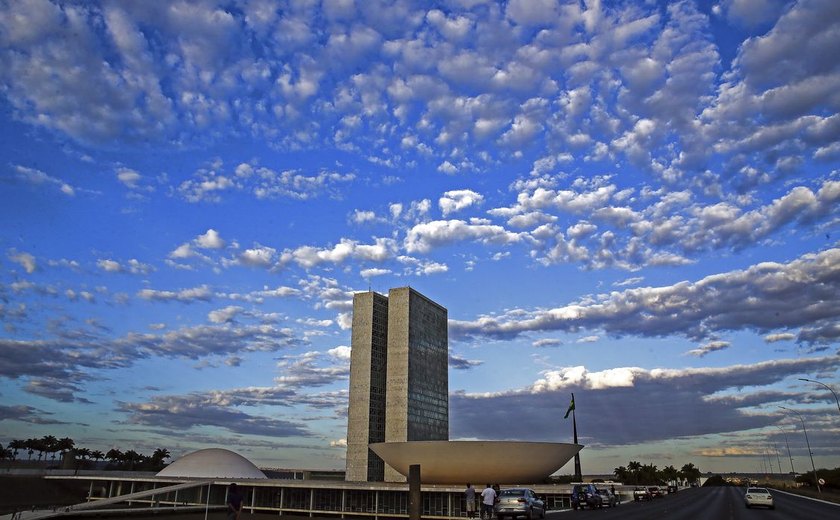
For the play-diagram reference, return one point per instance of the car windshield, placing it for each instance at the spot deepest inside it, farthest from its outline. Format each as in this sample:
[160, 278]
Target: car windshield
[512, 493]
[755, 491]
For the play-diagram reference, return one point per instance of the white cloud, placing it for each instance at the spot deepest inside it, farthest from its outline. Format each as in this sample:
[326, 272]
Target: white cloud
[370, 273]
[37, 177]
[258, 256]
[456, 200]
[447, 168]
[361, 217]
[708, 348]
[341, 352]
[754, 296]
[110, 266]
[26, 260]
[210, 240]
[781, 336]
[201, 293]
[225, 315]
[424, 237]
[128, 177]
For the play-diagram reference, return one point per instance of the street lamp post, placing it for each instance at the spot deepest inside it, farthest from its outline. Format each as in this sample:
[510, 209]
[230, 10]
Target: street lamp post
[825, 385]
[788, 448]
[807, 443]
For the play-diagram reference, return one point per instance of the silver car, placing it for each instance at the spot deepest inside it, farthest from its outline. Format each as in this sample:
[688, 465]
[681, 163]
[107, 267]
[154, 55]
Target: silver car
[515, 502]
[757, 496]
[608, 498]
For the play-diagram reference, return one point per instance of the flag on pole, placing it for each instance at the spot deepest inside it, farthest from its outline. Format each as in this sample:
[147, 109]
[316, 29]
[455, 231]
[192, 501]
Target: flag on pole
[571, 407]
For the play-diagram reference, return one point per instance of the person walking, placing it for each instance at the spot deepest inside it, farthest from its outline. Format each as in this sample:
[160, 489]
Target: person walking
[488, 499]
[469, 496]
[234, 502]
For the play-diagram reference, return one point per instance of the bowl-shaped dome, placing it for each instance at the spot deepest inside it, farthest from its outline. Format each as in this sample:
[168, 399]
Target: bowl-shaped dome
[478, 462]
[212, 463]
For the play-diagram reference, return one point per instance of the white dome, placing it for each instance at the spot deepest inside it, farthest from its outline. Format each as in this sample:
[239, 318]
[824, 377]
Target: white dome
[212, 463]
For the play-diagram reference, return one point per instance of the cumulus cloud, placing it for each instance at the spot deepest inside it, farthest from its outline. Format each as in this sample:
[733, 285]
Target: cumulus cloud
[200, 293]
[27, 414]
[218, 410]
[210, 240]
[304, 370]
[60, 368]
[456, 200]
[708, 348]
[461, 363]
[765, 297]
[24, 259]
[38, 177]
[309, 256]
[424, 237]
[688, 410]
[211, 183]
[132, 266]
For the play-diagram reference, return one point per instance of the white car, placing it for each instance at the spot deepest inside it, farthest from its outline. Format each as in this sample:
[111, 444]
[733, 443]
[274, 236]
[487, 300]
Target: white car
[757, 496]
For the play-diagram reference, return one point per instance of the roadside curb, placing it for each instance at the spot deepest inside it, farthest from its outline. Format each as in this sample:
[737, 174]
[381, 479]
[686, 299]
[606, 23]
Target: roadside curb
[807, 497]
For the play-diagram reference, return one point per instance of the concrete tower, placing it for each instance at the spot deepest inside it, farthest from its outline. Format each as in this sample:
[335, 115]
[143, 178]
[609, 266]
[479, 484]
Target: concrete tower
[399, 384]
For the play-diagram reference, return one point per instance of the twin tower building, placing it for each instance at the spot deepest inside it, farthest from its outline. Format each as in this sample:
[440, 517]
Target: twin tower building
[399, 381]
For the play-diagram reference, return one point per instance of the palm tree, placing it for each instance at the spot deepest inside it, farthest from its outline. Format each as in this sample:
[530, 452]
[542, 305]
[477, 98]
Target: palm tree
[64, 445]
[30, 445]
[669, 474]
[690, 473]
[50, 445]
[97, 455]
[6, 453]
[83, 453]
[158, 457]
[621, 473]
[635, 467]
[131, 457]
[115, 456]
[16, 445]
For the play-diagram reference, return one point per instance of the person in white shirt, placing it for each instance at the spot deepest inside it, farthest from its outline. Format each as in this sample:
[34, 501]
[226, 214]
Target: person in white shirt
[488, 498]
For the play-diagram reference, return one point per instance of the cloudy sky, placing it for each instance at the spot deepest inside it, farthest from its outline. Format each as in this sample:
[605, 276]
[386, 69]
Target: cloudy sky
[638, 202]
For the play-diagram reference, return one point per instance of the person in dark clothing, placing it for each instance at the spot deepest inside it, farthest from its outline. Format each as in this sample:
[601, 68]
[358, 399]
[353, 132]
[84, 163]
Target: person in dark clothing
[469, 497]
[234, 502]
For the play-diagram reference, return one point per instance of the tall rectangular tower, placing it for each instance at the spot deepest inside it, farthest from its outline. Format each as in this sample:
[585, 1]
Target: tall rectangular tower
[399, 384]
[366, 412]
[417, 398]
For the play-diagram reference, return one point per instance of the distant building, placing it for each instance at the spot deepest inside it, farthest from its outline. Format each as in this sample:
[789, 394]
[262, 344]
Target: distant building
[399, 384]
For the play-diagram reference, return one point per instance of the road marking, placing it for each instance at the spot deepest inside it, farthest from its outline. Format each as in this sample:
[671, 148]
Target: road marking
[807, 498]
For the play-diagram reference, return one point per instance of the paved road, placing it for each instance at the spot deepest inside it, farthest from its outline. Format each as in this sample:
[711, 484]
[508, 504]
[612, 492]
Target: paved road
[714, 503]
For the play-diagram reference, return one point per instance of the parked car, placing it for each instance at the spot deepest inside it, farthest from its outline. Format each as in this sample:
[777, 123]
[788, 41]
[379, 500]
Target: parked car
[515, 502]
[585, 495]
[655, 492]
[641, 493]
[608, 498]
[672, 488]
[756, 496]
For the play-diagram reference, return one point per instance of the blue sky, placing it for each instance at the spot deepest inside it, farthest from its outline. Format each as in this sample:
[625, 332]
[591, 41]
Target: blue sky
[633, 201]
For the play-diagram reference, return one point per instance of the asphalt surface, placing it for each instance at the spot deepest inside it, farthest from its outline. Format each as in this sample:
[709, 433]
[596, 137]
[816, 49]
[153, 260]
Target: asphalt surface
[713, 503]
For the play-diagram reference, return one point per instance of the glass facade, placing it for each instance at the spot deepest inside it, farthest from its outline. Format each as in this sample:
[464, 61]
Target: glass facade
[428, 376]
[378, 383]
[321, 500]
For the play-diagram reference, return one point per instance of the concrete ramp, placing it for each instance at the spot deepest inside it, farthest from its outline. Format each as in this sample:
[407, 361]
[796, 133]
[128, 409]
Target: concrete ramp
[101, 506]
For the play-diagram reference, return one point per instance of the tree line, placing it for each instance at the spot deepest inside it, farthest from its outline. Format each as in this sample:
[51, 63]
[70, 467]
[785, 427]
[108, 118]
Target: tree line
[637, 473]
[48, 447]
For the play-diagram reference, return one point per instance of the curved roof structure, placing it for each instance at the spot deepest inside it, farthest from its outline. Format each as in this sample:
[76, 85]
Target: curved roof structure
[212, 463]
[479, 462]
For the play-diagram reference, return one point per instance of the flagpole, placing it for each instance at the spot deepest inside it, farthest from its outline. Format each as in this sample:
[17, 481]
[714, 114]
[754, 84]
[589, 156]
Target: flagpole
[578, 472]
